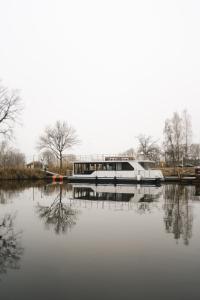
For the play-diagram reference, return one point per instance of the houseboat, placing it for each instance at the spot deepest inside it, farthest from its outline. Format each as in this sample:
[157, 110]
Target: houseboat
[116, 170]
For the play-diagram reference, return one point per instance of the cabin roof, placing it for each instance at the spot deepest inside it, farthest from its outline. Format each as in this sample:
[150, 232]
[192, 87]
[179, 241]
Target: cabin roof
[111, 161]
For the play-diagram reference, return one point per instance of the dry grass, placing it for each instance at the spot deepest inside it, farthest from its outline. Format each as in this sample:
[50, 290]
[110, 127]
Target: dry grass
[20, 174]
[36, 174]
[177, 171]
[65, 171]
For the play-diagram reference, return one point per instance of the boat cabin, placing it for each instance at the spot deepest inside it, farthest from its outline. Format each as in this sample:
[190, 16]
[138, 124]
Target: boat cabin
[88, 168]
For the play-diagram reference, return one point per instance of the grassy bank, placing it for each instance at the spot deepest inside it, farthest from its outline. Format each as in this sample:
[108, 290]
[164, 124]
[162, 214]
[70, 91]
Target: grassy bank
[21, 174]
[37, 174]
[65, 171]
[177, 171]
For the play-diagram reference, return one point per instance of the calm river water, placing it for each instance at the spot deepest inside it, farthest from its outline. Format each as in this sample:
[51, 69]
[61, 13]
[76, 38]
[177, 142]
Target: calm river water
[99, 242]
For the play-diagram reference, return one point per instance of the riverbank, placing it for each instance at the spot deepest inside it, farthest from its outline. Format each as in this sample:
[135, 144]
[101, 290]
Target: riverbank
[21, 174]
[37, 174]
[170, 171]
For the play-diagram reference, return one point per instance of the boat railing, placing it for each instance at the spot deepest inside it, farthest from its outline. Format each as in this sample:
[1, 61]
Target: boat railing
[102, 157]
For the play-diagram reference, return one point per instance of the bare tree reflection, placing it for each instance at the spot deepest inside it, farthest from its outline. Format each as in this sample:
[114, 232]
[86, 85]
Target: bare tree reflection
[59, 215]
[10, 245]
[147, 203]
[178, 213]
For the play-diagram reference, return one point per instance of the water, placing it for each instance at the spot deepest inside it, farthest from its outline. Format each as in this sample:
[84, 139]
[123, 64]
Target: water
[99, 242]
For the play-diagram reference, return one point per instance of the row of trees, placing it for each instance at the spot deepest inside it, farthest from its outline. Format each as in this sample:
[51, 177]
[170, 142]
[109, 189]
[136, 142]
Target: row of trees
[52, 143]
[10, 157]
[176, 148]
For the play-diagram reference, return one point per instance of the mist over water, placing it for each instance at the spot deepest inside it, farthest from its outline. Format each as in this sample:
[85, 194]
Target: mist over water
[99, 242]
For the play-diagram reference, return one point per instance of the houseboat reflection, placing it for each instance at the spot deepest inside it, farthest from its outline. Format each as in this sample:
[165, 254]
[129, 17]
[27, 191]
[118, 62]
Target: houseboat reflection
[120, 193]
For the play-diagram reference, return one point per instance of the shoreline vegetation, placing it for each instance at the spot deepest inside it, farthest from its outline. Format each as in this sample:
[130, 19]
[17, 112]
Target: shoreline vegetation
[177, 171]
[21, 174]
[175, 149]
[38, 174]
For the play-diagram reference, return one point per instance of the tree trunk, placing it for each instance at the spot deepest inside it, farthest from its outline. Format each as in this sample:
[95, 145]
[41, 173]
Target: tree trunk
[61, 163]
[174, 162]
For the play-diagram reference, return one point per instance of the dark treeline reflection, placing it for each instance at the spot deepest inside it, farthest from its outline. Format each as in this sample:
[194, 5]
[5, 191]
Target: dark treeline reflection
[178, 211]
[11, 189]
[10, 244]
[59, 215]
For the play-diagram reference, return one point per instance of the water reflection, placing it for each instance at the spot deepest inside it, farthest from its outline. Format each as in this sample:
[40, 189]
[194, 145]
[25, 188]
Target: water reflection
[141, 198]
[178, 214]
[59, 215]
[10, 244]
[52, 188]
[178, 217]
[174, 200]
[197, 190]
[10, 190]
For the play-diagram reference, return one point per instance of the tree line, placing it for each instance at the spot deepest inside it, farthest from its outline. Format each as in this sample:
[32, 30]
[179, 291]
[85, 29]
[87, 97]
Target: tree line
[175, 148]
[52, 144]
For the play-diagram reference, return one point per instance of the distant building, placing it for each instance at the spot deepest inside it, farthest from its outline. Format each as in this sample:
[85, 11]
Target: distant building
[34, 165]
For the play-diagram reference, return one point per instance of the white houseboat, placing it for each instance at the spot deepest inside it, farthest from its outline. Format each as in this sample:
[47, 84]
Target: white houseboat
[116, 170]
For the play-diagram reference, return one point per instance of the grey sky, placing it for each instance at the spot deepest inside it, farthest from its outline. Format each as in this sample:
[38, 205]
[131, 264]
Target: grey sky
[112, 69]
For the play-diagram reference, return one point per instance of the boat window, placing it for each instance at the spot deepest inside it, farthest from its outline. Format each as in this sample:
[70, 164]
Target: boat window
[99, 167]
[89, 168]
[119, 166]
[124, 166]
[111, 166]
[107, 166]
[84, 168]
[147, 165]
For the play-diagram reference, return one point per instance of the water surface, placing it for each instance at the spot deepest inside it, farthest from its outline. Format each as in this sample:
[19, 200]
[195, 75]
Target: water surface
[99, 242]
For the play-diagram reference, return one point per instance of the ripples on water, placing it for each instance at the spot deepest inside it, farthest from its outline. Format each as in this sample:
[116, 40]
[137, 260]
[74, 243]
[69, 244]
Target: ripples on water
[99, 242]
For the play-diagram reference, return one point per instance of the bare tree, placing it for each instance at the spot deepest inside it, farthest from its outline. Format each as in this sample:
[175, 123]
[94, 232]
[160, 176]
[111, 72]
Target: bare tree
[58, 139]
[129, 152]
[10, 157]
[195, 152]
[148, 148]
[187, 133]
[178, 135]
[173, 138]
[48, 158]
[10, 108]
[169, 143]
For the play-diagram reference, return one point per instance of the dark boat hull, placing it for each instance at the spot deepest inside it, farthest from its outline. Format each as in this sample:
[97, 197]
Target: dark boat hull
[114, 180]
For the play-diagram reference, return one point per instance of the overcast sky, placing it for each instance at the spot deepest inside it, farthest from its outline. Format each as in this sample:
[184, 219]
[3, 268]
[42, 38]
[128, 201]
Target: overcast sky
[112, 69]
